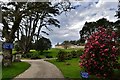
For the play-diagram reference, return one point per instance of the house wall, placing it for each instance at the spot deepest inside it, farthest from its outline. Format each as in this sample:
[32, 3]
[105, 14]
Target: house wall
[60, 47]
[71, 46]
[75, 46]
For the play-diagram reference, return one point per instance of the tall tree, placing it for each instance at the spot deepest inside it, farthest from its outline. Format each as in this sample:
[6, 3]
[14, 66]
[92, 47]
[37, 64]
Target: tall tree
[11, 18]
[14, 13]
[42, 44]
[43, 18]
[90, 27]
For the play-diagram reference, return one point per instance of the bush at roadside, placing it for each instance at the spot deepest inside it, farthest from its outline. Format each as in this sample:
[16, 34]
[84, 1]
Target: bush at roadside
[61, 56]
[34, 55]
[100, 54]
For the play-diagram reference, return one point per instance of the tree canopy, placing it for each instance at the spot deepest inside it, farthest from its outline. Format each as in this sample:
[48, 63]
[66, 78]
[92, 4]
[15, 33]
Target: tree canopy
[91, 27]
[42, 44]
[24, 20]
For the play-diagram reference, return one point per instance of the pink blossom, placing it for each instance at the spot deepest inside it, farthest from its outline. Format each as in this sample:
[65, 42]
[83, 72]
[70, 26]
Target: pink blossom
[93, 55]
[97, 42]
[89, 72]
[95, 62]
[98, 75]
[86, 65]
[101, 68]
[114, 49]
[100, 53]
[103, 54]
[91, 46]
[106, 50]
[81, 57]
[113, 34]
[102, 45]
[105, 74]
[81, 64]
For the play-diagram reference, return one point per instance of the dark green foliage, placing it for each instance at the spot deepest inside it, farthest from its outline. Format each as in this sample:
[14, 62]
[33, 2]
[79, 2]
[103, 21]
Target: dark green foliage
[90, 27]
[77, 53]
[27, 55]
[34, 55]
[65, 55]
[61, 55]
[74, 54]
[17, 48]
[80, 52]
[42, 44]
[49, 56]
[68, 56]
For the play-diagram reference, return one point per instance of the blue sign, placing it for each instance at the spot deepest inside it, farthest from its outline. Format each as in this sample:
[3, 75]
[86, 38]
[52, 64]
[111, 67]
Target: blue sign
[8, 45]
[84, 74]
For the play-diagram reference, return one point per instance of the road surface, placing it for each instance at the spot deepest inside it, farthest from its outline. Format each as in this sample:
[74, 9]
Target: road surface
[41, 69]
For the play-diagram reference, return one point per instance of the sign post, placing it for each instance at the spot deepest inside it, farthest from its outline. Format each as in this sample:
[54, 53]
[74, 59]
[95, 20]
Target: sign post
[8, 45]
[84, 75]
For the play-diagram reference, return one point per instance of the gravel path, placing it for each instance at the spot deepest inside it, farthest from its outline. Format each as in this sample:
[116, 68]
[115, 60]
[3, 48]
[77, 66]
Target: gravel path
[41, 69]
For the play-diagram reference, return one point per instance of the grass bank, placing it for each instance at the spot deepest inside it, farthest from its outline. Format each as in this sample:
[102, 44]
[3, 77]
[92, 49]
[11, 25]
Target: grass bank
[72, 70]
[69, 68]
[15, 69]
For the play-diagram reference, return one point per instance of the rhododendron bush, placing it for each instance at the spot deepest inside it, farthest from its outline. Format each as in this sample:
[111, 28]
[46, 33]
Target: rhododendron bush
[100, 54]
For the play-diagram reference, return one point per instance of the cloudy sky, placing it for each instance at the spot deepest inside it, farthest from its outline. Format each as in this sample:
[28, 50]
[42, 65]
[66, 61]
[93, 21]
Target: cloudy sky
[72, 22]
[88, 10]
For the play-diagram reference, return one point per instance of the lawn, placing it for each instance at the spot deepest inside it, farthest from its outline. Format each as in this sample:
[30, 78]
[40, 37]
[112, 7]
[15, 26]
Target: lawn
[51, 53]
[15, 69]
[54, 51]
[73, 70]
[69, 71]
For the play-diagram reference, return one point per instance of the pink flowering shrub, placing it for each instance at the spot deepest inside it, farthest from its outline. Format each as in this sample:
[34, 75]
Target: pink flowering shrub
[100, 54]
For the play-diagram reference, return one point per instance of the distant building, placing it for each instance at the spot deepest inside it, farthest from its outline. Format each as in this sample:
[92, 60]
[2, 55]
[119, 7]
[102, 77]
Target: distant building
[61, 46]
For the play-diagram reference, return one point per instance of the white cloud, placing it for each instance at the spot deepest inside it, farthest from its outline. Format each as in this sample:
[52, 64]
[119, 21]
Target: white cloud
[77, 25]
[74, 21]
[101, 2]
[66, 35]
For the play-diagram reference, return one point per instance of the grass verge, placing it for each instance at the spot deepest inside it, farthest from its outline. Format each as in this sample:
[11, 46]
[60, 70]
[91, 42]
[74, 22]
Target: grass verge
[73, 69]
[15, 69]
[69, 68]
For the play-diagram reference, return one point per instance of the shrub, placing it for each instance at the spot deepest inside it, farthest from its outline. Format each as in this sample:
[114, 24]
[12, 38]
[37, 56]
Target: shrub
[68, 56]
[79, 52]
[17, 47]
[27, 55]
[61, 55]
[74, 54]
[100, 54]
[34, 55]
[49, 56]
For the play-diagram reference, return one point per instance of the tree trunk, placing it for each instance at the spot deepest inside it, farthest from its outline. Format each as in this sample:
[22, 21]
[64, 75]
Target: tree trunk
[7, 57]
